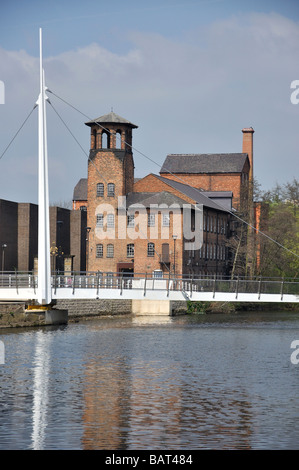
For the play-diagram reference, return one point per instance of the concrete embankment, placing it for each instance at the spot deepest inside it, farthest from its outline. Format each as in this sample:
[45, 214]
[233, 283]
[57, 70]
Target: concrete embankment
[14, 315]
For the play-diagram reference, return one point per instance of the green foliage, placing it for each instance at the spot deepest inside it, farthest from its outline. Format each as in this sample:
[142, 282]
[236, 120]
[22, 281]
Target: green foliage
[197, 307]
[281, 223]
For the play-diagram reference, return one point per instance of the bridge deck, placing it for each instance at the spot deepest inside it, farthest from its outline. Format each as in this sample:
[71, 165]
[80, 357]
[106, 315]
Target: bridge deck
[23, 287]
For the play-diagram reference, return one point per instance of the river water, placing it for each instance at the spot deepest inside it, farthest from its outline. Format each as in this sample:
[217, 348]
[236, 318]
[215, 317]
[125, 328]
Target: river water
[187, 382]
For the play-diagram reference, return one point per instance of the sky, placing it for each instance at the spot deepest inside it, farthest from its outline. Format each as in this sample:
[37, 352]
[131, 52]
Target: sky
[190, 74]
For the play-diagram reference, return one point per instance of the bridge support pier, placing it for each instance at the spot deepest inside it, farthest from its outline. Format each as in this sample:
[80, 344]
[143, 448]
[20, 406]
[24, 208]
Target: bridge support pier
[51, 316]
[151, 307]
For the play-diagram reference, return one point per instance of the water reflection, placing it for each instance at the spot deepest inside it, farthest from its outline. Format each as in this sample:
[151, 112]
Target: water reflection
[41, 364]
[126, 383]
[152, 320]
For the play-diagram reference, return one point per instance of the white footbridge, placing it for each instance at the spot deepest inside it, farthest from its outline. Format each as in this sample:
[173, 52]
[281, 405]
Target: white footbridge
[16, 286]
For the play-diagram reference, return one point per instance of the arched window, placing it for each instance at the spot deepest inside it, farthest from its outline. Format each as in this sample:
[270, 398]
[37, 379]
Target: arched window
[118, 139]
[110, 251]
[100, 220]
[100, 190]
[151, 249]
[130, 250]
[110, 220]
[94, 133]
[111, 189]
[105, 140]
[99, 252]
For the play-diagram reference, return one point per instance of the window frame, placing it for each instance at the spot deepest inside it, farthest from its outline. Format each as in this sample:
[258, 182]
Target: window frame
[99, 247]
[100, 193]
[150, 250]
[110, 193]
[130, 250]
[110, 220]
[110, 250]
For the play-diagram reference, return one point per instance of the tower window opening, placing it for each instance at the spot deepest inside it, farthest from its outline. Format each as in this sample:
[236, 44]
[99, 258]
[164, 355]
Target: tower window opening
[105, 140]
[94, 133]
[118, 140]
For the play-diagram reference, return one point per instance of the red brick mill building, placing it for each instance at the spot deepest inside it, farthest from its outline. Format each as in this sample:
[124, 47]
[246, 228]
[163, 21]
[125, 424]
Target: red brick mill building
[136, 225]
[127, 225]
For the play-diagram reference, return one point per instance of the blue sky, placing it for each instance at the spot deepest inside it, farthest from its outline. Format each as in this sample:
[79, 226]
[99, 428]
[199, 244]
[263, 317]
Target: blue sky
[191, 74]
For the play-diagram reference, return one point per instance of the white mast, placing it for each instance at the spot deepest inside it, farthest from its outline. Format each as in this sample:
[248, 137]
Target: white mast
[44, 269]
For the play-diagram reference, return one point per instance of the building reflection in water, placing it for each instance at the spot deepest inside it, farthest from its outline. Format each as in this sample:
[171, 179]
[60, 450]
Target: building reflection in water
[139, 401]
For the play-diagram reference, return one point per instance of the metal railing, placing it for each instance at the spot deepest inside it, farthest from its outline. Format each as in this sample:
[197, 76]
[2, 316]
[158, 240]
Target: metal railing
[147, 281]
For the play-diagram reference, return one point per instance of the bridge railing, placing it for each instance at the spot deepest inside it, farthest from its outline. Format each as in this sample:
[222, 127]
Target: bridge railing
[146, 281]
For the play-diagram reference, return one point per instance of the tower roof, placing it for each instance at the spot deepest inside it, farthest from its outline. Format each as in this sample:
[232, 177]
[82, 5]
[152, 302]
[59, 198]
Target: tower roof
[111, 118]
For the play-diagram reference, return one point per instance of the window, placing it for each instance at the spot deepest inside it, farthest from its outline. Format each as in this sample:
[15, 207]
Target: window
[94, 133]
[99, 251]
[165, 253]
[150, 249]
[110, 220]
[158, 274]
[100, 190]
[83, 208]
[131, 220]
[166, 220]
[130, 250]
[118, 139]
[105, 140]
[111, 189]
[100, 220]
[110, 251]
[151, 220]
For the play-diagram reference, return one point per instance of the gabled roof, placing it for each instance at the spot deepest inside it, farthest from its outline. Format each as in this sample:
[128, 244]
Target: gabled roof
[111, 118]
[80, 190]
[151, 199]
[204, 163]
[195, 194]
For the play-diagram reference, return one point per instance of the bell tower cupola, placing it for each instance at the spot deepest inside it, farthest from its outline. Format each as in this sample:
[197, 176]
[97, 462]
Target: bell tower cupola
[111, 149]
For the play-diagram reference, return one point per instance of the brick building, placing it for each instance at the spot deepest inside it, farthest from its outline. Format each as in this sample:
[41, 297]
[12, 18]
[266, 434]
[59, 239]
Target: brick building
[215, 172]
[19, 237]
[137, 226]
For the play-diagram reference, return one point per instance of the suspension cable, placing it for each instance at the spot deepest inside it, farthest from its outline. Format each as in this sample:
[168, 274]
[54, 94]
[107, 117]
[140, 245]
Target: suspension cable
[20, 128]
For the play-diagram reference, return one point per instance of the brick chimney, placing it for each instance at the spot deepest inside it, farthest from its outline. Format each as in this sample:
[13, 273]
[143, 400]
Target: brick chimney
[248, 147]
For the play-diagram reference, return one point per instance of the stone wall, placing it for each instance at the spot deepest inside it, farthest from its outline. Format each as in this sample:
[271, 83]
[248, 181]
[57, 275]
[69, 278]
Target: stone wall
[13, 315]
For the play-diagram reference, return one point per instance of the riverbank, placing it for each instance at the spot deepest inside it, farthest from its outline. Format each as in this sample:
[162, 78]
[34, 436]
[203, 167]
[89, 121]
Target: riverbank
[14, 315]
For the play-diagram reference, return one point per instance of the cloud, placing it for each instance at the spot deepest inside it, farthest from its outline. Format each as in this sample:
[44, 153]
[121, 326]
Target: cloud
[189, 95]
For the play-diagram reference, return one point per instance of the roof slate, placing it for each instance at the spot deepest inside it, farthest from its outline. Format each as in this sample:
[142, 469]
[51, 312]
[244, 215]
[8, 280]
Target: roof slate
[204, 163]
[193, 193]
[80, 190]
[111, 118]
